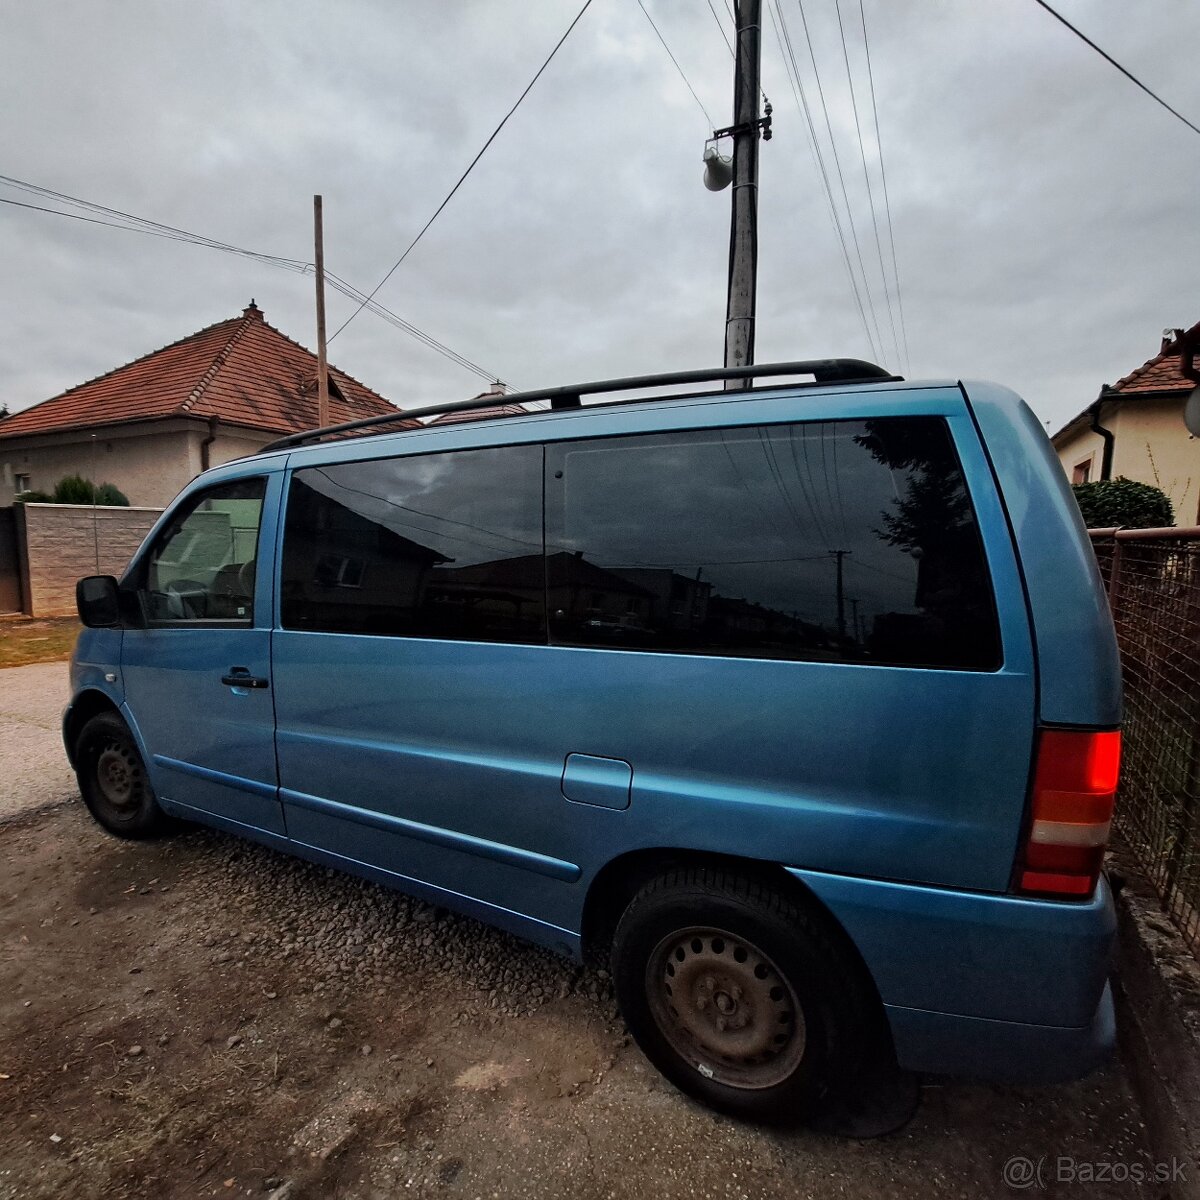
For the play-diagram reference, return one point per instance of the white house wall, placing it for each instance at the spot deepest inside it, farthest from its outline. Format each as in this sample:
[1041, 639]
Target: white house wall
[149, 462]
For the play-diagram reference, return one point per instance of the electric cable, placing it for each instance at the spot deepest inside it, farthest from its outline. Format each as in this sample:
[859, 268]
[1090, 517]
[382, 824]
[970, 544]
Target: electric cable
[470, 167]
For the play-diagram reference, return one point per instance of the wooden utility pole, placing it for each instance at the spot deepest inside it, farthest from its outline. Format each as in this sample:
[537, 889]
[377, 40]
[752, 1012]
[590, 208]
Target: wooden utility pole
[743, 231]
[322, 365]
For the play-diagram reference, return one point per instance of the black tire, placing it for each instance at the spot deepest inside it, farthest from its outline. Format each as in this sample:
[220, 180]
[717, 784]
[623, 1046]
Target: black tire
[742, 997]
[113, 780]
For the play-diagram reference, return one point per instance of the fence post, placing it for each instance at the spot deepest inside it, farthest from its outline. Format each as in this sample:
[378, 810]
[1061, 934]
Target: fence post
[1183, 848]
[1114, 570]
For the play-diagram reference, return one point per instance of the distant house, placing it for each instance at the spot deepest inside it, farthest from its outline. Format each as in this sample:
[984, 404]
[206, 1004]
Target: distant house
[482, 414]
[1135, 428]
[152, 425]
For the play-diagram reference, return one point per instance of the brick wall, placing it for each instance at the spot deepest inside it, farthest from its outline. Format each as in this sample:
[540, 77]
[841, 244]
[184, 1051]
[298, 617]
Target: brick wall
[61, 543]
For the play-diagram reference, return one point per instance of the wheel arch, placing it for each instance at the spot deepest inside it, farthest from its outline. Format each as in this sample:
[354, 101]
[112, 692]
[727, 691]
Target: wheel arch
[83, 708]
[621, 878]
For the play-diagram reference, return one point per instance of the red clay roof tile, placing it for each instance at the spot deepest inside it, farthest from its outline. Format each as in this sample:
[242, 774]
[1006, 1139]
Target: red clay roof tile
[243, 371]
[1158, 374]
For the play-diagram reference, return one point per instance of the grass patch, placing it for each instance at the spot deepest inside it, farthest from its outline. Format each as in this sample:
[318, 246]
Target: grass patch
[51, 640]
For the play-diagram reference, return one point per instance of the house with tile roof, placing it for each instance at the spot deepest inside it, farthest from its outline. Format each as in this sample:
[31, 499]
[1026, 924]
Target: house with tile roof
[482, 414]
[155, 423]
[1134, 428]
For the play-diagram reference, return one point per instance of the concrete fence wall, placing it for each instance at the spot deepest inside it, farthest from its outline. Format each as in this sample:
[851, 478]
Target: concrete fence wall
[63, 542]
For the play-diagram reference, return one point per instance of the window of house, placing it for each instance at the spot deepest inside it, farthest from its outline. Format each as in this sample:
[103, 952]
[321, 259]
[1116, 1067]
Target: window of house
[202, 566]
[1082, 472]
[828, 540]
[439, 545]
[22, 483]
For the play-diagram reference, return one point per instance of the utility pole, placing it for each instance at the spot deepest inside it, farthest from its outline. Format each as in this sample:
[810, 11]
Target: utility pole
[322, 365]
[841, 593]
[743, 229]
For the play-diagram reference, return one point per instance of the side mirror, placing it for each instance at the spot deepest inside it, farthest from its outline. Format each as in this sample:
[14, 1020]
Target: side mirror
[96, 599]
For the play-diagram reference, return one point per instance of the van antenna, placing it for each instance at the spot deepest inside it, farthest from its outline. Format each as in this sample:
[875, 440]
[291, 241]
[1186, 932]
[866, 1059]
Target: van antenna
[95, 517]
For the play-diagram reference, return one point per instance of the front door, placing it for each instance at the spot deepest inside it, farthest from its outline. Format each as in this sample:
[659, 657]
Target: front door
[197, 674]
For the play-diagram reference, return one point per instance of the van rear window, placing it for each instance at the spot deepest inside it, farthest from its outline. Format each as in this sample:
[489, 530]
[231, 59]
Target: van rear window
[825, 540]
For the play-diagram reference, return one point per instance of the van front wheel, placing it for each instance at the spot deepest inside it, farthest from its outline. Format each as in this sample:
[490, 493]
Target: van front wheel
[113, 781]
[737, 994]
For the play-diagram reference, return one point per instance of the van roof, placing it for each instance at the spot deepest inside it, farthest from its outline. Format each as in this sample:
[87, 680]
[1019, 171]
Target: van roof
[824, 371]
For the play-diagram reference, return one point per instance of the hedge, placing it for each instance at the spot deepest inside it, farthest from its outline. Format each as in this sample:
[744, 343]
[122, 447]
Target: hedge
[1123, 503]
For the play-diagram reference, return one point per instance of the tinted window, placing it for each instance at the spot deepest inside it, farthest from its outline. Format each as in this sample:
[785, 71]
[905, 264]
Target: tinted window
[441, 545]
[835, 540]
[202, 566]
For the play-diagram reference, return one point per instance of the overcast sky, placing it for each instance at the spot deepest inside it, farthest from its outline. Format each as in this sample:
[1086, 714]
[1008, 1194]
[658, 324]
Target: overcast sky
[1045, 211]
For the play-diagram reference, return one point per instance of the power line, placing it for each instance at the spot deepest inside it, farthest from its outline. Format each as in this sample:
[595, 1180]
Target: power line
[1108, 57]
[135, 224]
[351, 292]
[887, 205]
[470, 167]
[711, 123]
[784, 39]
[724, 35]
[862, 153]
[837, 162]
[55, 212]
[143, 225]
[725, 38]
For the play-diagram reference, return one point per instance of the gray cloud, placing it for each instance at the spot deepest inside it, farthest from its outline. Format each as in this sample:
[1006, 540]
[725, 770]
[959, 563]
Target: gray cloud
[1044, 208]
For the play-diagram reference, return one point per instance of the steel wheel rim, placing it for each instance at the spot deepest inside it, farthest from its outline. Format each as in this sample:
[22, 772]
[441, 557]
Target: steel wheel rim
[119, 778]
[725, 1008]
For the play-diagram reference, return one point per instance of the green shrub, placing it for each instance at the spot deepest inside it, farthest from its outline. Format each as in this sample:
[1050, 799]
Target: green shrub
[33, 497]
[1123, 503]
[74, 489]
[110, 494]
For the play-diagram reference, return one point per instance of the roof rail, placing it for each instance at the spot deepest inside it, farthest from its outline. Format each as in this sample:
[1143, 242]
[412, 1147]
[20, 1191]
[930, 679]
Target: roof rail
[823, 370]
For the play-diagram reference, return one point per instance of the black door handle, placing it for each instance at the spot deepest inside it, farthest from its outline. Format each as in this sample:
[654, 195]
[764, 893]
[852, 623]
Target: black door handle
[241, 677]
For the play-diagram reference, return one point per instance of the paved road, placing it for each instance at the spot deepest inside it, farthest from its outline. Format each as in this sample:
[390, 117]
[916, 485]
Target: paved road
[33, 768]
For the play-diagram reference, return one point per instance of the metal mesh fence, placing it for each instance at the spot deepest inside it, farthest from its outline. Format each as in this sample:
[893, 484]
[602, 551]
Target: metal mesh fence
[1153, 582]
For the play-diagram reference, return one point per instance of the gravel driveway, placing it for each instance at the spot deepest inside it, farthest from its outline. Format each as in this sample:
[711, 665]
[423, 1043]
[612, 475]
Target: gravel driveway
[33, 767]
[199, 1016]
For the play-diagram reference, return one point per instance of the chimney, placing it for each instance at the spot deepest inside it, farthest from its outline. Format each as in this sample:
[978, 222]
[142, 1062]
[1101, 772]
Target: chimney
[496, 389]
[252, 310]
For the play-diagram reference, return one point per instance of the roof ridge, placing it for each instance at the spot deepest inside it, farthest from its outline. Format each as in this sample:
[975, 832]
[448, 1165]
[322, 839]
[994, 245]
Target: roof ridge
[131, 363]
[217, 363]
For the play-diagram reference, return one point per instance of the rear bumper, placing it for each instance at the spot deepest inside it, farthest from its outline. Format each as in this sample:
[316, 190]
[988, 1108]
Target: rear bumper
[979, 984]
[1002, 1051]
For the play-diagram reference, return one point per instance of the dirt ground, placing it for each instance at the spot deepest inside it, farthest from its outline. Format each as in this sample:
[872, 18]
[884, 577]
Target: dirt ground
[202, 1017]
[33, 641]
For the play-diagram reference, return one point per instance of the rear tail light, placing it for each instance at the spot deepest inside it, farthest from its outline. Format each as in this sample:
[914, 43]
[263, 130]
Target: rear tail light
[1074, 787]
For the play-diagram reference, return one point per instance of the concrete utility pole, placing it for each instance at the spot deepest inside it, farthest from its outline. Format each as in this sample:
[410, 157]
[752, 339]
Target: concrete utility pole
[841, 592]
[743, 230]
[322, 365]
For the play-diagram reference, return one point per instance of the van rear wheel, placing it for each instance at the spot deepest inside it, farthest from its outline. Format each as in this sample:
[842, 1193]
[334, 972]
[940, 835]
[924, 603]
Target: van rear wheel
[113, 780]
[738, 995]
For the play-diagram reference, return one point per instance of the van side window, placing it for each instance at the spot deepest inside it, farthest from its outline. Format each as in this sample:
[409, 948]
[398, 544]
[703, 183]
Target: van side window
[440, 545]
[202, 566]
[826, 540]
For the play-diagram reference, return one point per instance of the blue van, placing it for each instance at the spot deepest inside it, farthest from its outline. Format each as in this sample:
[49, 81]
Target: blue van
[799, 702]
